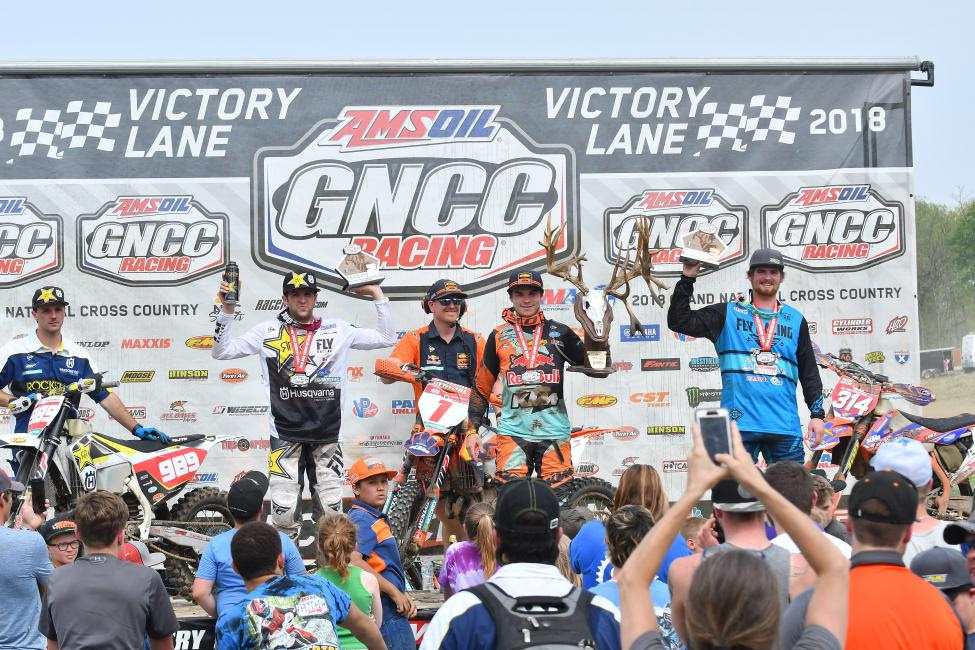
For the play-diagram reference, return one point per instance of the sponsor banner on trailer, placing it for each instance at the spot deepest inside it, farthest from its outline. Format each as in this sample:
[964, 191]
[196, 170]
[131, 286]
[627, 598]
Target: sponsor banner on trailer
[443, 176]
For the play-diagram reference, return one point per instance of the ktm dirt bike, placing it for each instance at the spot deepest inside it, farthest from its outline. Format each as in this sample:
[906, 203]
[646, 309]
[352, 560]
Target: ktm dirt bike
[861, 418]
[62, 450]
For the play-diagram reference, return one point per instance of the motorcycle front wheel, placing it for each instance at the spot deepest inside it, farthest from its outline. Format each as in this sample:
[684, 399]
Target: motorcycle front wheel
[402, 516]
[589, 491]
[206, 507]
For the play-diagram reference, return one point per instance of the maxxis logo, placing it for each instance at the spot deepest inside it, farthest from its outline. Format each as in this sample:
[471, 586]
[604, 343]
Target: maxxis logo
[431, 190]
[835, 228]
[31, 243]
[152, 241]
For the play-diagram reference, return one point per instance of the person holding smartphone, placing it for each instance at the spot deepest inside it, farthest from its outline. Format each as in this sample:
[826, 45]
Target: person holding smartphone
[764, 351]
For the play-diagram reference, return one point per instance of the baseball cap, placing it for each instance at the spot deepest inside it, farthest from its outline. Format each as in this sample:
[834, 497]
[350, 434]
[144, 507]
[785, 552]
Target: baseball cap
[905, 456]
[137, 552]
[893, 489]
[520, 497]
[767, 257]
[443, 288]
[9, 485]
[956, 532]
[60, 525]
[293, 281]
[530, 279]
[366, 467]
[246, 495]
[728, 496]
[48, 296]
[944, 568]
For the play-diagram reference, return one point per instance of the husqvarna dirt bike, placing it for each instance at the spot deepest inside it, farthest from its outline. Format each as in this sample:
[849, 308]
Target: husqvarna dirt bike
[861, 418]
[61, 449]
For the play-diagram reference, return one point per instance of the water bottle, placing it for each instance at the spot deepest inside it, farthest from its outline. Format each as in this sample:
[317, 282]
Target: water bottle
[426, 571]
[231, 276]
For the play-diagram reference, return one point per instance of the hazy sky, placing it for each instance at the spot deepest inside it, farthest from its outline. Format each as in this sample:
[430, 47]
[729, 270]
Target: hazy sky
[944, 141]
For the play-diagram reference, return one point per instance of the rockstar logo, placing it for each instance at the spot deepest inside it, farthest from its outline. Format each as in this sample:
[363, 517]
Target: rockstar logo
[298, 280]
[274, 462]
[47, 295]
[282, 345]
[83, 455]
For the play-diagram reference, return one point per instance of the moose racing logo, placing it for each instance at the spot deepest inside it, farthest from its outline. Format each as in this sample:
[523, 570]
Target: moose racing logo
[31, 243]
[425, 189]
[673, 214]
[155, 241]
[835, 228]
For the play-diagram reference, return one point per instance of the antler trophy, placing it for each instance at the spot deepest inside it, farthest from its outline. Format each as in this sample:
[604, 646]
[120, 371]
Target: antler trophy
[592, 308]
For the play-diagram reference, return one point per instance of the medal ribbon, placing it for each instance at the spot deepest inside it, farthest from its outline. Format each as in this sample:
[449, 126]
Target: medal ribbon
[532, 353]
[300, 351]
[766, 336]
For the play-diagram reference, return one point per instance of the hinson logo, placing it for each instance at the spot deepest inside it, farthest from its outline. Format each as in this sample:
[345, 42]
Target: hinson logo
[432, 190]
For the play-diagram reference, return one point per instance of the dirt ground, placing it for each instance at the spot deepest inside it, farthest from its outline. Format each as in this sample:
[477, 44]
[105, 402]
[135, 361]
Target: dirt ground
[955, 394]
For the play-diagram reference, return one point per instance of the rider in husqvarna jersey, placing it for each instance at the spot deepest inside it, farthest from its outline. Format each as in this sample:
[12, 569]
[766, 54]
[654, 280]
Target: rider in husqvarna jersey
[304, 367]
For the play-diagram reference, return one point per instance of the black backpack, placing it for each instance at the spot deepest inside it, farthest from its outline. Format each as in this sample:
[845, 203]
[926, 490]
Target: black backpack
[539, 622]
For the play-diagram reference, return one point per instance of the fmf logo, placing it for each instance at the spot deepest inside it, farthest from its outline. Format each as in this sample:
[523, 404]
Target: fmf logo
[31, 243]
[425, 189]
[673, 214]
[364, 408]
[834, 228]
[596, 401]
[200, 342]
[156, 241]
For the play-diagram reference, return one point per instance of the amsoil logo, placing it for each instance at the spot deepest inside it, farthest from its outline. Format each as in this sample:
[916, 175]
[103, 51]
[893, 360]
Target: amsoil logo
[137, 376]
[674, 213]
[31, 243]
[897, 324]
[233, 375]
[674, 466]
[587, 468]
[834, 228]
[426, 189]
[596, 401]
[660, 364]
[146, 344]
[852, 326]
[157, 241]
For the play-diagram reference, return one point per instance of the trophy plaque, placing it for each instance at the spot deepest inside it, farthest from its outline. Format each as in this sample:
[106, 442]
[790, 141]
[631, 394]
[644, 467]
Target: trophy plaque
[703, 246]
[358, 268]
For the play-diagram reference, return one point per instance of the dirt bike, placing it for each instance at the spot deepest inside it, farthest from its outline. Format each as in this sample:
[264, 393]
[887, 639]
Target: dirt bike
[60, 449]
[861, 418]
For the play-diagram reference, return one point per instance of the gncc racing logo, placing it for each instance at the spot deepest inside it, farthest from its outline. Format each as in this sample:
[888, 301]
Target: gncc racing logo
[834, 228]
[674, 213]
[156, 241]
[31, 243]
[425, 189]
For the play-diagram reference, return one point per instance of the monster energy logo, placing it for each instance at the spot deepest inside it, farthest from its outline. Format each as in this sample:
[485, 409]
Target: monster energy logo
[696, 395]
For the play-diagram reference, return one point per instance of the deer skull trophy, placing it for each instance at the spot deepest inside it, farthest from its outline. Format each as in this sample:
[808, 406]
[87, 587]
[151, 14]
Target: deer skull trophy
[592, 307]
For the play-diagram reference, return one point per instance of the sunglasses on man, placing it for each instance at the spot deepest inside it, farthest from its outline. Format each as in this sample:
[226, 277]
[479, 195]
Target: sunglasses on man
[446, 302]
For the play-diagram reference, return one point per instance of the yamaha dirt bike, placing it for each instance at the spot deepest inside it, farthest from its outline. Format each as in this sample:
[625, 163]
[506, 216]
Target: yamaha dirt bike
[861, 418]
[60, 449]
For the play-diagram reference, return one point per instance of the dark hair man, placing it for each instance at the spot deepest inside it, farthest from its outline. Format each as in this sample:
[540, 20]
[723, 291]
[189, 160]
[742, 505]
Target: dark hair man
[765, 352]
[528, 352]
[129, 599]
[526, 521]
[304, 365]
[947, 571]
[280, 611]
[887, 603]
[791, 480]
[245, 500]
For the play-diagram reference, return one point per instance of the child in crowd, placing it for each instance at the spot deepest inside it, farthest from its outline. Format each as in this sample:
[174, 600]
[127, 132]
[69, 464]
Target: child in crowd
[698, 533]
[471, 562]
[336, 543]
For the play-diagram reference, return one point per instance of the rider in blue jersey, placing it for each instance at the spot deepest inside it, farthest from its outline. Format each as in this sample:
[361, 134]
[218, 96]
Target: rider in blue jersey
[764, 352]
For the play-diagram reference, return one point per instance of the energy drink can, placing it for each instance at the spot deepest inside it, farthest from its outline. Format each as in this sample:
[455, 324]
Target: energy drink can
[231, 276]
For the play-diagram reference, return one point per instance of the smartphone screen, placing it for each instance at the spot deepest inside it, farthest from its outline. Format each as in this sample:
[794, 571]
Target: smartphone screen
[714, 432]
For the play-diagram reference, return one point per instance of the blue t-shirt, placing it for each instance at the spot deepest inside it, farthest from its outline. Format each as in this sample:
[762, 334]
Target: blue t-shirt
[660, 594]
[25, 563]
[285, 612]
[589, 556]
[376, 543]
[216, 564]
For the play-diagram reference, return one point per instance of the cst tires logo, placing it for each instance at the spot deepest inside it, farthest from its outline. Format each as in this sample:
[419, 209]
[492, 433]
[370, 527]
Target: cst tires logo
[31, 243]
[154, 241]
[426, 189]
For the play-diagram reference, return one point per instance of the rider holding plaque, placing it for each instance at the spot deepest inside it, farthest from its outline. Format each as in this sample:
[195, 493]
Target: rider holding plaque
[764, 351]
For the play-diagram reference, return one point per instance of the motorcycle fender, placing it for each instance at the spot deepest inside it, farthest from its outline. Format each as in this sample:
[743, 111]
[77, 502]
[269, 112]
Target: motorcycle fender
[966, 469]
[181, 537]
[879, 431]
[24, 440]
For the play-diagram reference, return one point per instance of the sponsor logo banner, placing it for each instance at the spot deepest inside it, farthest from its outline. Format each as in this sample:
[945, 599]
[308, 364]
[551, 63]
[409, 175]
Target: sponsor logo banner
[666, 430]
[31, 243]
[674, 466]
[403, 406]
[876, 356]
[671, 363]
[241, 410]
[897, 324]
[146, 344]
[179, 412]
[650, 333]
[137, 376]
[364, 408]
[200, 342]
[658, 399]
[93, 345]
[586, 468]
[704, 364]
[696, 395]
[189, 374]
[852, 326]
[233, 375]
[626, 433]
[596, 401]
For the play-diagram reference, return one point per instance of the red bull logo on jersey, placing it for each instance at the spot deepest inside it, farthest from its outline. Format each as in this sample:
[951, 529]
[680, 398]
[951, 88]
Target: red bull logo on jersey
[31, 243]
[152, 241]
[834, 228]
[425, 189]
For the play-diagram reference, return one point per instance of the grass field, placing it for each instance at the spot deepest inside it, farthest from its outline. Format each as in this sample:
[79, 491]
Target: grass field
[955, 394]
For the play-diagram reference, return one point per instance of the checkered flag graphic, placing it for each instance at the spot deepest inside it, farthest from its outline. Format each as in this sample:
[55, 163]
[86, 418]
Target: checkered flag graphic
[759, 122]
[50, 134]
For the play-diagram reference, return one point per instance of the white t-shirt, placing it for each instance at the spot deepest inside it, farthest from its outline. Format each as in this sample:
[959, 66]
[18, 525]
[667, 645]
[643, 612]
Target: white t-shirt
[786, 542]
[923, 541]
